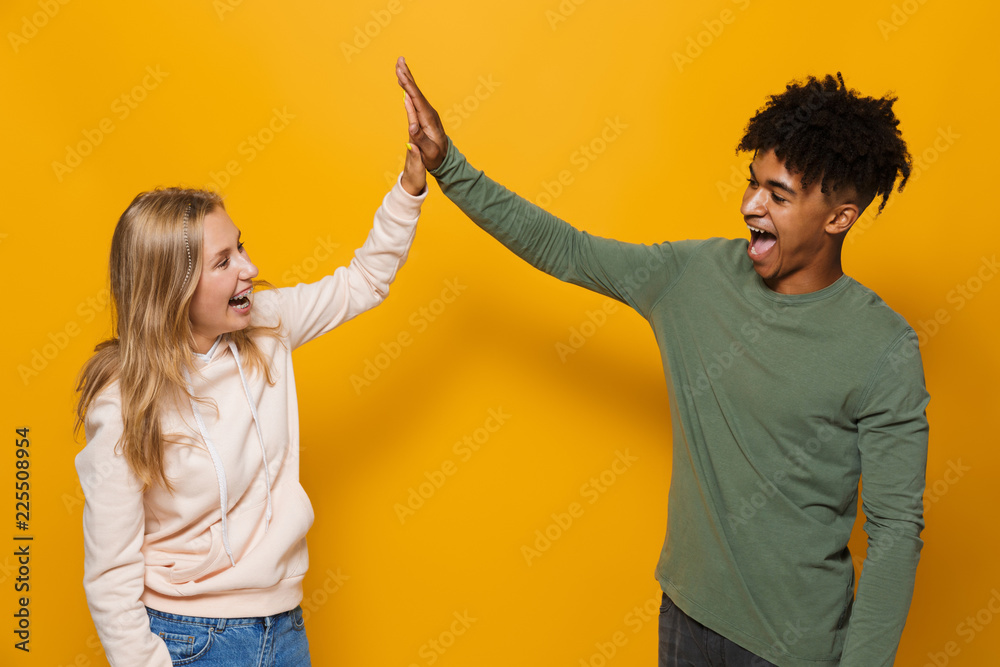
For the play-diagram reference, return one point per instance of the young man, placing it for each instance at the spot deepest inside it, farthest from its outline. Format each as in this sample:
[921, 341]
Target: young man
[787, 380]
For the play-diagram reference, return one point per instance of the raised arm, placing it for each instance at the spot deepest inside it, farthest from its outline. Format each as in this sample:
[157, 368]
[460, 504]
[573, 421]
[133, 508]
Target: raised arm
[632, 273]
[310, 310]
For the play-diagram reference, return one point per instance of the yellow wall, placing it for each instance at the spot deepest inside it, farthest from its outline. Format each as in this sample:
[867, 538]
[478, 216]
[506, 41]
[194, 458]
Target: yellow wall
[151, 94]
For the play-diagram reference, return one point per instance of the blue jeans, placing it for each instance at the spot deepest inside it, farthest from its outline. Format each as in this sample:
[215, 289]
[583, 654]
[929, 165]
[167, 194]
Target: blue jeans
[684, 642]
[268, 641]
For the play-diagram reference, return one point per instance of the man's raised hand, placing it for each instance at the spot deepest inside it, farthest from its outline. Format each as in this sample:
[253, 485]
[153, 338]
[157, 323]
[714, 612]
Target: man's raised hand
[426, 130]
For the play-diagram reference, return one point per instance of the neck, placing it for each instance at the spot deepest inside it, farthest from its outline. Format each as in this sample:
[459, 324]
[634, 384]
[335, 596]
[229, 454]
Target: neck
[203, 344]
[804, 284]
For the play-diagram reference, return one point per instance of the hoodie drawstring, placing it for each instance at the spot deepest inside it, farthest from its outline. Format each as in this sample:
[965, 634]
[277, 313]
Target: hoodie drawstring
[220, 471]
[260, 435]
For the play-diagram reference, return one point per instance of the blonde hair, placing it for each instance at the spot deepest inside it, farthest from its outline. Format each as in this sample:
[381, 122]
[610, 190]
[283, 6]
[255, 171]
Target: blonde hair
[155, 264]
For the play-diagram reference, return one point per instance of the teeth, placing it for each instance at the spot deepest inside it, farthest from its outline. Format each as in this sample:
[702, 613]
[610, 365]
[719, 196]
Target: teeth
[755, 229]
[242, 300]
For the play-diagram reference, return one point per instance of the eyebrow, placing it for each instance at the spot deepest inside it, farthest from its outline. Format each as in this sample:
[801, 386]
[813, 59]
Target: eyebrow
[775, 184]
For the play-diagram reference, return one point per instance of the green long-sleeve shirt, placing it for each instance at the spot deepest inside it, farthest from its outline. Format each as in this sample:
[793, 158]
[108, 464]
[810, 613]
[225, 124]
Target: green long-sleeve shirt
[779, 404]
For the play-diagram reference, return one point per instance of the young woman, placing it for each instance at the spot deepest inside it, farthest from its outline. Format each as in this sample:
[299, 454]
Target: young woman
[195, 520]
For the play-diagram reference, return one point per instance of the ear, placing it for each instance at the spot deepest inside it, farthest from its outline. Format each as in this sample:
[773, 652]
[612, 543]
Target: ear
[841, 218]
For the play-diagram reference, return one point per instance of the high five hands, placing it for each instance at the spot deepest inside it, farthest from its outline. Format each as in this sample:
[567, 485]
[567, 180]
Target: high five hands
[426, 132]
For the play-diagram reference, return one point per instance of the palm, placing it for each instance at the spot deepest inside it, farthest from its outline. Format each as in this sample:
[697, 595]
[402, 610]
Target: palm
[426, 130]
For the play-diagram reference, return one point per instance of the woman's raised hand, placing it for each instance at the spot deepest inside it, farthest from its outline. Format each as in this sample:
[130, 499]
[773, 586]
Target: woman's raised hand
[414, 179]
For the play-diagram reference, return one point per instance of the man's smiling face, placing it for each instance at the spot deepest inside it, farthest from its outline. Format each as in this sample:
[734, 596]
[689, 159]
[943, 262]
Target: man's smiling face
[795, 232]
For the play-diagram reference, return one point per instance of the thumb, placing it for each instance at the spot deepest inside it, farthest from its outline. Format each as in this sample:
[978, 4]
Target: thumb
[413, 152]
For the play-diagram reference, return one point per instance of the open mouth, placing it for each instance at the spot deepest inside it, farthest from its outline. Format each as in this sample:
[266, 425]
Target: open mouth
[760, 240]
[242, 300]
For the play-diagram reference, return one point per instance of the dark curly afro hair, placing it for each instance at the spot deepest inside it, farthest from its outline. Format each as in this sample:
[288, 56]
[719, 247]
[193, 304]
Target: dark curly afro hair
[821, 129]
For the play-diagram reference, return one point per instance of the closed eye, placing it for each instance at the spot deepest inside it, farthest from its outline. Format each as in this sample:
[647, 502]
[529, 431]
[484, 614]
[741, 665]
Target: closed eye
[225, 262]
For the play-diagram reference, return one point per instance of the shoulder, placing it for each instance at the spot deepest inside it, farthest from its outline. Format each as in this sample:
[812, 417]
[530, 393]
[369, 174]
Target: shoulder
[103, 427]
[267, 305]
[871, 313]
[712, 258]
[107, 405]
[894, 361]
[715, 250]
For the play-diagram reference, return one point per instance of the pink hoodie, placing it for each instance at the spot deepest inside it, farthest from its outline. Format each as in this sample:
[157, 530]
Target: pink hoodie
[177, 551]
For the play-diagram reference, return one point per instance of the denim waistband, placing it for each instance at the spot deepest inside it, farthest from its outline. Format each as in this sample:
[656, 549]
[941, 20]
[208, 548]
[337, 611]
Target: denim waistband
[221, 624]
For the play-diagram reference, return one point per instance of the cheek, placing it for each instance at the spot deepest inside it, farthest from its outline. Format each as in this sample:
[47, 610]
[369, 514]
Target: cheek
[205, 299]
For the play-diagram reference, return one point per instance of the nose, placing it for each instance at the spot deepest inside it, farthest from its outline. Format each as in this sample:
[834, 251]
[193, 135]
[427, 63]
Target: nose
[248, 270]
[753, 202]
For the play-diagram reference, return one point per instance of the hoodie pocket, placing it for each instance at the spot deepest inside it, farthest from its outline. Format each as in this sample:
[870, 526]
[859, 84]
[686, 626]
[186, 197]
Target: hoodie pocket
[213, 560]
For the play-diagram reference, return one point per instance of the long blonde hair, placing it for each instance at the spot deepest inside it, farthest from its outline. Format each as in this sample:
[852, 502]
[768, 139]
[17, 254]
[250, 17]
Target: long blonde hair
[155, 264]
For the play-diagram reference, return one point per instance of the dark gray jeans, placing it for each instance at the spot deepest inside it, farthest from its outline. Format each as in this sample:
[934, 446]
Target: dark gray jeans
[684, 642]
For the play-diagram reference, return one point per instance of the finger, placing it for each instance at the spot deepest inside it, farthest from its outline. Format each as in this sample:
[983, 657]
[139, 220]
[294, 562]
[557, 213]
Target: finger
[406, 80]
[420, 140]
[427, 132]
[413, 153]
[411, 114]
[418, 135]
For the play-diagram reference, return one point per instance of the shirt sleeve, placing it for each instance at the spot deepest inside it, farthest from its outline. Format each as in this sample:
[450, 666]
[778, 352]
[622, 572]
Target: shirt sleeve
[307, 311]
[892, 439]
[113, 528]
[635, 274]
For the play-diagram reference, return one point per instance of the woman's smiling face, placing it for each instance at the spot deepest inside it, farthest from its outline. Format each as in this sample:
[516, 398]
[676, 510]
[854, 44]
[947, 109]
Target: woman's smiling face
[222, 300]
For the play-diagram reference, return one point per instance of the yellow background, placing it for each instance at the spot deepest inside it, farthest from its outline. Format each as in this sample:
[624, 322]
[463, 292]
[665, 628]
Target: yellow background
[165, 93]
